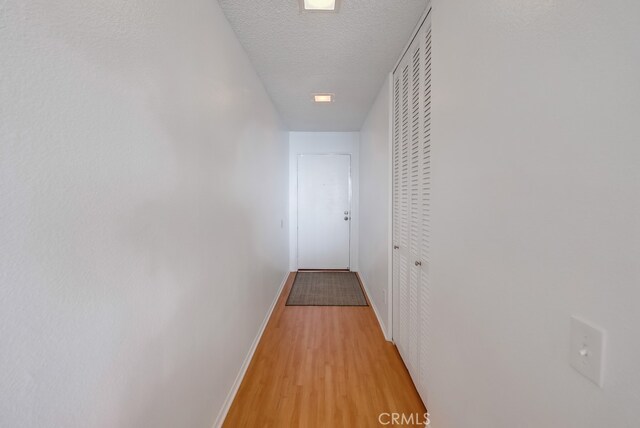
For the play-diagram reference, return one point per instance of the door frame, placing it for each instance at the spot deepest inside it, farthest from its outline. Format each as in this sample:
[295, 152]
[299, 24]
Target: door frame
[350, 191]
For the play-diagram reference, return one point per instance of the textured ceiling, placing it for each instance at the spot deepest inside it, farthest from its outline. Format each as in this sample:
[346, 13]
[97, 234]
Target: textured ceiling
[348, 53]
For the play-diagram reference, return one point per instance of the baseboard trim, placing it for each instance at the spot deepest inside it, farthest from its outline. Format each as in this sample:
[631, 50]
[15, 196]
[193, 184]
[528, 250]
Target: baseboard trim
[245, 365]
[375, 309]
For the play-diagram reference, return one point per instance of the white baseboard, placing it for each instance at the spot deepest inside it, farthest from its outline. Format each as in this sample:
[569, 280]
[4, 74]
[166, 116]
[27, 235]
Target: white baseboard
[245, 365]
[375, 310]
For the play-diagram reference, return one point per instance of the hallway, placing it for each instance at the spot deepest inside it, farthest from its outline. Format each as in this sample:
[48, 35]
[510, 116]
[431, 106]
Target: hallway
[167, 166]
[323, 366]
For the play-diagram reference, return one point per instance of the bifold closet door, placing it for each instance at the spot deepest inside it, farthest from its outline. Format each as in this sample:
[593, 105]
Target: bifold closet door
[424, 318]
[411, 204]
[401, 235]
[406, 243]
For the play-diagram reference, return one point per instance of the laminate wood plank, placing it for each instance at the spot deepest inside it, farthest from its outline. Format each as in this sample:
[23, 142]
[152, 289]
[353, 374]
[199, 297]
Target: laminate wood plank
[322, 366]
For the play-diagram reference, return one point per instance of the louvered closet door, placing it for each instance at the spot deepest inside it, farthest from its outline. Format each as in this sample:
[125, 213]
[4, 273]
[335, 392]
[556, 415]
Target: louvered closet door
[415, 198]
[425, 217]
[411, 205]
[396, 212]
[401, 207]
[407, 141]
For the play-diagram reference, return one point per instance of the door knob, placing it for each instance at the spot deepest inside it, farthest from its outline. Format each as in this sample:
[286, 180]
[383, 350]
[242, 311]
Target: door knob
[346, 218]
[346, 212]
[395, 247]
[418, 263]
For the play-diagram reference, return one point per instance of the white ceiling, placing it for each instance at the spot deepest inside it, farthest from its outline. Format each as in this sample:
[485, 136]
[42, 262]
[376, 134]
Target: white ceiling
[348, 53]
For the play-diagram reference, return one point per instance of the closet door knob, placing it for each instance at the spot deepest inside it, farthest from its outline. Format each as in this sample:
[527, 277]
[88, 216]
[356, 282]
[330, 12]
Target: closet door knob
[395, 247]
[418, 263]
[346, 218]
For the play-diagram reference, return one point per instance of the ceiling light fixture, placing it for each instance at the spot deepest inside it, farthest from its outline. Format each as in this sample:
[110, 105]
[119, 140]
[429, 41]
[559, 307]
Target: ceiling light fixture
[319, 5]
[323, 98]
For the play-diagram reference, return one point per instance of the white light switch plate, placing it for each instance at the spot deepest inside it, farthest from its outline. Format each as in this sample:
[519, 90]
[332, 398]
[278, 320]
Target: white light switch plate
[587, 350]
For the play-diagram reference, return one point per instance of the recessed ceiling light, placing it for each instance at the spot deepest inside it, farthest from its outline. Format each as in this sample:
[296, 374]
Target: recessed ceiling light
[323, 98]
[329, 5]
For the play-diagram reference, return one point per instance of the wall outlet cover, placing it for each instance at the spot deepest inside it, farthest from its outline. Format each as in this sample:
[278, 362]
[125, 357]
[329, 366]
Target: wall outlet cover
[587, 350]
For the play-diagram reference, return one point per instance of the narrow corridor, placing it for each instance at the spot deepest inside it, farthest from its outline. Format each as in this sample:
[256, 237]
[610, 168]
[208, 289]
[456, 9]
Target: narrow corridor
[323, 366]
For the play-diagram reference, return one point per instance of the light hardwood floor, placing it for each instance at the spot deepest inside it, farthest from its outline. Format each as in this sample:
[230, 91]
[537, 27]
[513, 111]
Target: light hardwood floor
[322, 367]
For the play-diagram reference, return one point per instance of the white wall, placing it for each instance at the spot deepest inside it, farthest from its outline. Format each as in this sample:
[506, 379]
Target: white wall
[536, 211]
[319, 143]
[143, 182]
[375, 203]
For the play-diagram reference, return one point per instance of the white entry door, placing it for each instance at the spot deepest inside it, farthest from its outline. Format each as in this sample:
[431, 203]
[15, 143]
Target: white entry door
[324, 211]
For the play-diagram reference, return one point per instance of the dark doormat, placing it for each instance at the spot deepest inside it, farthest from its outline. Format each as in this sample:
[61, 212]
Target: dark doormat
[326, 289]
